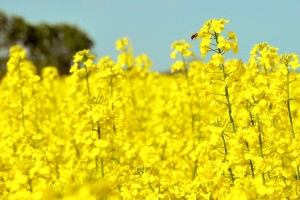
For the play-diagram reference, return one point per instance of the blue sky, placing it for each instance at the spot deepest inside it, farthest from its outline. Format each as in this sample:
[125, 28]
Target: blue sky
[152, 26]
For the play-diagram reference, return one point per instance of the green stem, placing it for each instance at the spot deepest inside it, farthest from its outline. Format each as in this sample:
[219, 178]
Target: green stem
[195, 169]
[252, 168]
[101, 159]
[260, 146]
[87, 81]
[250, 162]
[224, 143]
[99, 131]
[229, 110]
[151, 187]
[231, 176]
[30, 184]
[288, 104]
[76, 148]
[233, 129]
[225, 149]
[112, 97]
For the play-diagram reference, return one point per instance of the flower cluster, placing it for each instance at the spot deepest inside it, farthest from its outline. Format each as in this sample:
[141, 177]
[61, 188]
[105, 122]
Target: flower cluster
[210, 32]
[225, 129]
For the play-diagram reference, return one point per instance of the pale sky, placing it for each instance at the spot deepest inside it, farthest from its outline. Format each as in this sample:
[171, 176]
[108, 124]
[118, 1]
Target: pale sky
[152, 26]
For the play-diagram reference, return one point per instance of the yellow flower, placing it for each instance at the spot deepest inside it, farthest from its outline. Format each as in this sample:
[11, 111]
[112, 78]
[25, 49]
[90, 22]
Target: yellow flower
[122, 44]
[182, 47]
[143, 61]
[17, 52]
[294, 61]
[88, 63]
[74, 67]
[204, 32]
[231, 35]
[204, 46]
[233, 45]
[223, 44]
[218, 25]
[178, 66]
[82, 56]
[50, 72]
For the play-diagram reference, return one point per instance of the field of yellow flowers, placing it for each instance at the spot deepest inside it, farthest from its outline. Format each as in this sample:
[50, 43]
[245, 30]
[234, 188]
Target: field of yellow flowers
[225, 129]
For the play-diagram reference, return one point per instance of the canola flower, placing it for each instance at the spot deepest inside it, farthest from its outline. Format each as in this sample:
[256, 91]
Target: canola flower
[225, 129]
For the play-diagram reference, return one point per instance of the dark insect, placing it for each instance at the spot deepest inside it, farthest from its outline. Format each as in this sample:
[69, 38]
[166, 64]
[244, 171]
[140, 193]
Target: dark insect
[194, 36]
